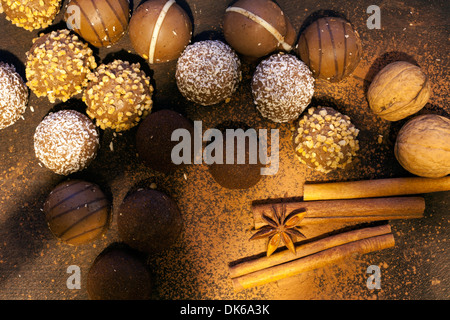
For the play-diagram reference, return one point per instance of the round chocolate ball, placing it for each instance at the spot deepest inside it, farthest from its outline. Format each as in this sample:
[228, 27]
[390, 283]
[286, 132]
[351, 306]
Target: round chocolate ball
[118, 95]
[208, 72]
[154, 139]
[58, 64]
[119, 273]
[160, 30]
[66, 142]
[149, 221]
[325, 139]
[256, 28]
[241, 172]
[99, 22]
[31, 14]
[331, 47]
[282, 87]
[77, 212]
[13, 95]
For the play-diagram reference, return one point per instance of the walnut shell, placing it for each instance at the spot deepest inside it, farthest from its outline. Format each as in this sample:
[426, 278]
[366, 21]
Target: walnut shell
[423, 146]
[399, 90]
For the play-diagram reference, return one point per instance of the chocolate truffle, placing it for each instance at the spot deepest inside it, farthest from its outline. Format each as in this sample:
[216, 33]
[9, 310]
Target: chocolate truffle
[331, 47]
[119, 273]
[256, 28]
[208, 72]
[325, 139]
[77, 212]
[160, 30]
[118, 95]
[58, 64]
[149, 221]
[13, 95]
[31, 14]
[100, 22]
[66, 141]
[233, 175]
[282, 87]
[154, 139]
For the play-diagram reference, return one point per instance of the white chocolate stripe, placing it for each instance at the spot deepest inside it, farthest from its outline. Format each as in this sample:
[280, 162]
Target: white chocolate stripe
[157, 28]
[263, 23]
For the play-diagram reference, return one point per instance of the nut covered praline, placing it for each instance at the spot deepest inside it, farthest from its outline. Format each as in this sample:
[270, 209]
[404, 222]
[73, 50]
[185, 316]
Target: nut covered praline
[118, 95]
[58, 64]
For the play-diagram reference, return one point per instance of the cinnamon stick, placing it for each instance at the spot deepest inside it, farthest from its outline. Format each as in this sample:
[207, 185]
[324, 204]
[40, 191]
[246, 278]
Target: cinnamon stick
[374, 188]
[314, 261]
[304, 249]
[349, 210]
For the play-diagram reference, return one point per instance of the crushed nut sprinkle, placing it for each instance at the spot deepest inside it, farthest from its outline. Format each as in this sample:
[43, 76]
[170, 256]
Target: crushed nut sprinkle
[31, 14]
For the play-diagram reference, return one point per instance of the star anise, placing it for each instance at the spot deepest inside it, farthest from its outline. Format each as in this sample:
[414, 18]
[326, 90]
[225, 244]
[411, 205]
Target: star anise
[281, 228]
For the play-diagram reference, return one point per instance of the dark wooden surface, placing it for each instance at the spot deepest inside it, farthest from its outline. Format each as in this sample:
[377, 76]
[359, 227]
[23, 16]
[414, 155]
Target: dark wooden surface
[217, 221]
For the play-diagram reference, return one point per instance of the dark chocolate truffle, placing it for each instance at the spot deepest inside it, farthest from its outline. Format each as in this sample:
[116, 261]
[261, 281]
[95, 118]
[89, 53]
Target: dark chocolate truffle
[149, 221]
[160, 30]
[66, 142]
[331, 47]
[31, 14]
[208, 72]
[232, 175]
[119, 273]
[153, 139]
[282, 87]
[100, 22]
[13, 95]
[77, 212]
[325, 140]
[256, 28]
[58, 64]
[118, 95]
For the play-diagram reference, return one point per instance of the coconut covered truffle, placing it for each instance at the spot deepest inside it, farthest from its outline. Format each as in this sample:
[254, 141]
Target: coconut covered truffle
[282, 87]
[13, 95]
[118, 95]
[325, 140]
[58, 64]
[208, 72]
[66, 142]
[31, 14]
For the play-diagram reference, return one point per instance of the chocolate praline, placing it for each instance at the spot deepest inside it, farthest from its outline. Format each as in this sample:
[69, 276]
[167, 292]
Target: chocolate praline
[149, 220]
[77, 212]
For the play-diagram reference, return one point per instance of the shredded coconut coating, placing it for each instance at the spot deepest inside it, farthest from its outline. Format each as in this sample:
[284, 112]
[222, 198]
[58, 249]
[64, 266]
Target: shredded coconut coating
[66, 142]
[13, 95]
[208, 72]
[118, 96]
[31, 14]
[58, 64]
[282, 87]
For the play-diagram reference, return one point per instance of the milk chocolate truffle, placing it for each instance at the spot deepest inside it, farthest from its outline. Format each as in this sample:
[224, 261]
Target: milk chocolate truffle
[149, 221]
[58, 64]
[100, 22]
[325, 139]
[331, 47]
[154, 139]
[31, 14]
[208, 72]
[77, 212]
[231, 174]
[13, 95]
[66, 142]
[256, 28]
[119, 273]
[160, 30]
[282, 87]
[118, 95]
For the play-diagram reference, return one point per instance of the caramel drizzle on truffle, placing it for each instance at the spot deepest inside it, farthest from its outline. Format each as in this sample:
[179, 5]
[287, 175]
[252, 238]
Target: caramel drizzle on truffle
[334, 50]
[87, 19]
[263, 23]
[157, 29]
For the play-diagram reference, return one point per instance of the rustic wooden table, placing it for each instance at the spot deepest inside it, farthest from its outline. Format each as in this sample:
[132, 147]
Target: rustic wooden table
[217, 221]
